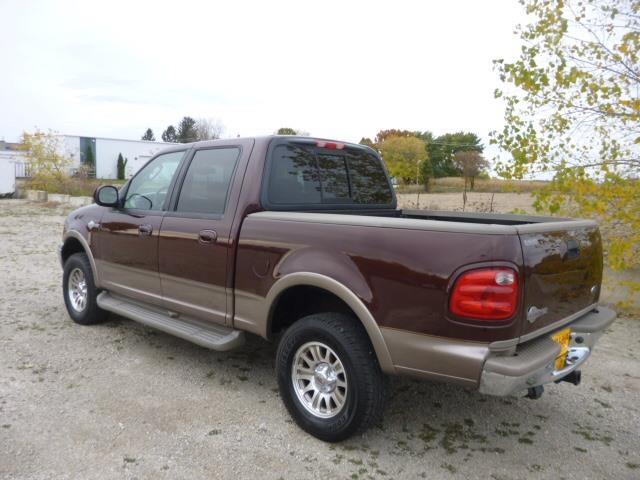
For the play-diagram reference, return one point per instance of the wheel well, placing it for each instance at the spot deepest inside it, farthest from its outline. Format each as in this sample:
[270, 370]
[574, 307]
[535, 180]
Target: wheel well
[71, 246]
[300, 301]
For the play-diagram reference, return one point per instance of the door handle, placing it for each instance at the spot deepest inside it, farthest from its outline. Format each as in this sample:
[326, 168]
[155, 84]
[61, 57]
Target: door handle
[145, 229]
[207, 236]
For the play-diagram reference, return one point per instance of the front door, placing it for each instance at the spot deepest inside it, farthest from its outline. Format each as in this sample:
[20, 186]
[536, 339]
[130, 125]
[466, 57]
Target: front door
[196, 235]
[127, 240]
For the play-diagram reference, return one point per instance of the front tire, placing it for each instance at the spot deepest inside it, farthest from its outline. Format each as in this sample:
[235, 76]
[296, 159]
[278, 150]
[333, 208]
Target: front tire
[329, 376]
[80, 292]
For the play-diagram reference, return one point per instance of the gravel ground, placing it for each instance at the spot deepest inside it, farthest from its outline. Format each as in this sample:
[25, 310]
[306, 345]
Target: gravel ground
[121, 400]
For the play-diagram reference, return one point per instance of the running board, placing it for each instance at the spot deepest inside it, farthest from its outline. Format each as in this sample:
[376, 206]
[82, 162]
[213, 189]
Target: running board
[208, 335]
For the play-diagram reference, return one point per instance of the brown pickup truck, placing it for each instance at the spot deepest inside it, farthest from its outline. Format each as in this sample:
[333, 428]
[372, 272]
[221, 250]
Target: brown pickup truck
[300, 240]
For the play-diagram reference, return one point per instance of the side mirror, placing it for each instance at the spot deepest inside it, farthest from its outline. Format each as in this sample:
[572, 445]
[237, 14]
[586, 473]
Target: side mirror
[106, 196]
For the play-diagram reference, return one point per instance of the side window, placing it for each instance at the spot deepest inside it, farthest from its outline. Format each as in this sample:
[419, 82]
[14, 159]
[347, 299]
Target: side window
[207, 181]
[148, 189]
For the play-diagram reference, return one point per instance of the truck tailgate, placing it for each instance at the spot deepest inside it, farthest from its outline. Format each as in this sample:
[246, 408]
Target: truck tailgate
[563, 271]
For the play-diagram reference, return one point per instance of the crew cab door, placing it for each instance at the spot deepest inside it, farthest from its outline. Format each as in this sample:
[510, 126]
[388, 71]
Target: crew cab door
[127, 239]
[196, 235]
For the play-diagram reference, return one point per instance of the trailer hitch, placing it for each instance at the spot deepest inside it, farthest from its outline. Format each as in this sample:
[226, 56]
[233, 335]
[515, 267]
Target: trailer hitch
[574, 377]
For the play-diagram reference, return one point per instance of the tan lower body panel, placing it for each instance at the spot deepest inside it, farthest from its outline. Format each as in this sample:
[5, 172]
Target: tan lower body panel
[436, 358]
[132, 282]
[201, 300]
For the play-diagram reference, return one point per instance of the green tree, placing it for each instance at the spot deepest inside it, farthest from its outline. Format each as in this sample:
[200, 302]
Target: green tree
[89, 159]
[187, 131]
[169, 135]
[149, 136]
[291, 131]
[404, 156]
[121, 166]
[367, 141]
[286, 131]
[443, 148]
[572, 109]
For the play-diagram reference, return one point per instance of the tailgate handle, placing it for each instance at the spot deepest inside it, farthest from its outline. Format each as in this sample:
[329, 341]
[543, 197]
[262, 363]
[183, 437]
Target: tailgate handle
[573, 250]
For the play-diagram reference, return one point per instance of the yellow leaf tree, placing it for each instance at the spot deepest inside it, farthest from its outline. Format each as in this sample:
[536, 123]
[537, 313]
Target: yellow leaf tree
[403, 157]
[572, 112]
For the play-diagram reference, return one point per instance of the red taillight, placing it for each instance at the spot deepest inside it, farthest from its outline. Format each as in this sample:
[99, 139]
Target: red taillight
[485, 294]
[330, 145]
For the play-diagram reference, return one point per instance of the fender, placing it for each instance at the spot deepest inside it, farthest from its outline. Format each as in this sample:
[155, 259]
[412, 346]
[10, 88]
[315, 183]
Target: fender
[85, 245]
[262, 308]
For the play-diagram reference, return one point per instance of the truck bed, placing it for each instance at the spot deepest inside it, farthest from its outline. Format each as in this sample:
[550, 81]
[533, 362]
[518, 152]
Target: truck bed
[558, 260]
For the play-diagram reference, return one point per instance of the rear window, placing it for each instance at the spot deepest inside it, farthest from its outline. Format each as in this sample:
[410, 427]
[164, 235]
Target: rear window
[303, 174]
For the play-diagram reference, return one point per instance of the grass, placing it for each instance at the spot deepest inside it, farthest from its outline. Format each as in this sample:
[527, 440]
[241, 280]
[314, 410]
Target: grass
[74, 186]
[490, 185]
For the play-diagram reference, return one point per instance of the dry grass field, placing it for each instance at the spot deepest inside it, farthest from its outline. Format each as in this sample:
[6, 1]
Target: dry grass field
[476, 202]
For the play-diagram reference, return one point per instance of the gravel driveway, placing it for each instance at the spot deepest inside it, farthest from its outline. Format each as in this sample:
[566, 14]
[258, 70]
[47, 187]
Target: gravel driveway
[121, 400]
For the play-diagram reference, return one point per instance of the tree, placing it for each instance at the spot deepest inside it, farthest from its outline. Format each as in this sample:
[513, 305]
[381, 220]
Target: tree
[121, 165]
[47, 164]
[187, 130]
[572, 109]
[403, 156]
[208, 129]
[443, 148]
[89, 159]
[149, 136]
[169, 135]
[291, 131]
[471, 163]
[367, 141]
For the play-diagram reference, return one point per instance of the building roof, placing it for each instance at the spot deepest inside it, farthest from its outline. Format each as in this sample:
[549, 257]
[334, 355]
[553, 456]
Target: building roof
[9, 146]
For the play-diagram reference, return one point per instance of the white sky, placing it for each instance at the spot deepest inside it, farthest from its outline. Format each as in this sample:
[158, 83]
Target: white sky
[340, 70]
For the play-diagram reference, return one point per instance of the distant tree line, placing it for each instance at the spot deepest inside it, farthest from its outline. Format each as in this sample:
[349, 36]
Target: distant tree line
[189, 130]
[417, 157]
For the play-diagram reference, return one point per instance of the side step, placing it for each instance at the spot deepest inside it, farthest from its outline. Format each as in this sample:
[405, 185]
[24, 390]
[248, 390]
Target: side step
[208, 335]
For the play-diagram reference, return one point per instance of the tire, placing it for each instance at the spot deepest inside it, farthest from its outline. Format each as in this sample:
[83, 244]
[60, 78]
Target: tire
[357, 399]
[77, 268]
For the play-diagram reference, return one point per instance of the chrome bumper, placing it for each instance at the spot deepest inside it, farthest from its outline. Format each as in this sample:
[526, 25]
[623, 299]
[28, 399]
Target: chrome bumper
[534, 361]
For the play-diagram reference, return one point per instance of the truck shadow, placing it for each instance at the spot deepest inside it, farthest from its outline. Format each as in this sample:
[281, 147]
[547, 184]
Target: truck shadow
[422, 418]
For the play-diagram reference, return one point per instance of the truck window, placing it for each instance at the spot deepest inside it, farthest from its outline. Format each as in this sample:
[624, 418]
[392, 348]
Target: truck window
[303, 174]
[148, 189]
[206, 183]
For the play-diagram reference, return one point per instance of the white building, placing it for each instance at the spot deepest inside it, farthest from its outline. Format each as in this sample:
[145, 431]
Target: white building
[105, 153]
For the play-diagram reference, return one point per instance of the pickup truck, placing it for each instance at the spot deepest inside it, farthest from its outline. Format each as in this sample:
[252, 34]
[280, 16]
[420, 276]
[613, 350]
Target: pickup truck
[300, 240]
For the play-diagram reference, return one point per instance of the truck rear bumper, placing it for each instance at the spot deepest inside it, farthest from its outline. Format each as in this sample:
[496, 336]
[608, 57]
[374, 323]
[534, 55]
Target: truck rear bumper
[533, 363]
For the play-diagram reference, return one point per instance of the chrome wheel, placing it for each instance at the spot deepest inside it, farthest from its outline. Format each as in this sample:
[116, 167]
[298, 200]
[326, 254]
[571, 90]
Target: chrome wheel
[319, 380]
[77, 290]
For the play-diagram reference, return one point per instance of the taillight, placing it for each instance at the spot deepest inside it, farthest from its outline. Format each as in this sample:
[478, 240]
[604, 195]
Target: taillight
[485, 294]
[330, 145]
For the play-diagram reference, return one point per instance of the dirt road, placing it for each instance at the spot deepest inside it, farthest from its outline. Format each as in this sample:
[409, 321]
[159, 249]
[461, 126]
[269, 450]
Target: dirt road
[120, 400]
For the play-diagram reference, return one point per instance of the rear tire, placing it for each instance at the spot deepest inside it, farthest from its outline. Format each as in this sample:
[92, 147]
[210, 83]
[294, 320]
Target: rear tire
[80, 292]
[329, 376]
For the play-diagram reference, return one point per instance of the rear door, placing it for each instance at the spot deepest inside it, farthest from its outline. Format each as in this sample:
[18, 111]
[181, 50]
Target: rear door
[563, 271]
[196, 234]
[127, 240]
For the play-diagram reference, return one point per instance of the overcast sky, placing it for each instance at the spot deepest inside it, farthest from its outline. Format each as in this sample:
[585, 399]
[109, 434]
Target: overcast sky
[341, 70]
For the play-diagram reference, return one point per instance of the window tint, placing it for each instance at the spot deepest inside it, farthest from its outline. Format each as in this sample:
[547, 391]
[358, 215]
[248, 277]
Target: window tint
[294, 176]
[333, 178]
[207, 181]
[368, 180]
[148, 189]
[305, 174]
